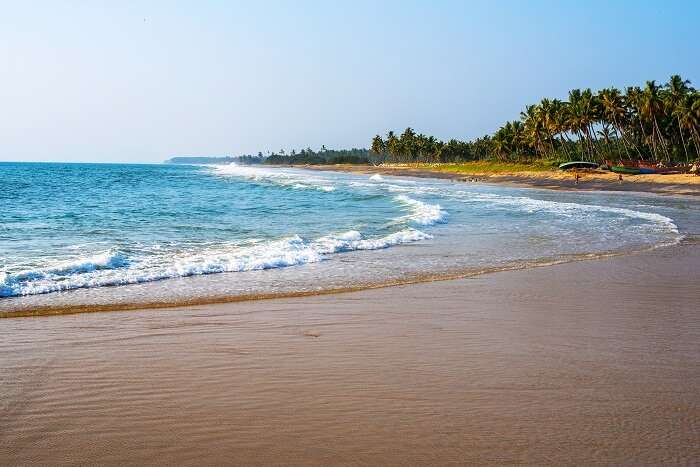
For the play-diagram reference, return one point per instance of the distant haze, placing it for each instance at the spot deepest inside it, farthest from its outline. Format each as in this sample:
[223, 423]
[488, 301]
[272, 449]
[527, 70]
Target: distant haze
[122, 81]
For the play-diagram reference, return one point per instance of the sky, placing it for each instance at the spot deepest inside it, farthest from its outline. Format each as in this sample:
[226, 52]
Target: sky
[145, 81]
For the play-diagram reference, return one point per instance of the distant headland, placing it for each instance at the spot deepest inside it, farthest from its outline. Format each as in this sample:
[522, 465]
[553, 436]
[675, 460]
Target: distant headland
[213, 159]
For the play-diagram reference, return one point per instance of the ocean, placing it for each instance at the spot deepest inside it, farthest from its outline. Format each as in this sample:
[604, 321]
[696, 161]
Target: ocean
[82, 234]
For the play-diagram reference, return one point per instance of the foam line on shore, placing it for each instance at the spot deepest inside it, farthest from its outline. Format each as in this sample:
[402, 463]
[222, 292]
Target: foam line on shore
[112, 267]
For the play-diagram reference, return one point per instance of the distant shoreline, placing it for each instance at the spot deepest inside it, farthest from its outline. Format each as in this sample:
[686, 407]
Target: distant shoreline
[672, 184]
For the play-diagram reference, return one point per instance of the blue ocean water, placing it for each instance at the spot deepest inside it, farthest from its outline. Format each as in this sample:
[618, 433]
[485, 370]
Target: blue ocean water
[88, 226]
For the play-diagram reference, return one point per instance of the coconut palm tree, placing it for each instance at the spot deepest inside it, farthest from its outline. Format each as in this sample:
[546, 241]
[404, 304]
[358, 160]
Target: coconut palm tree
[615, 111]
[534, 127]
[676, 91]
[654, 121]
[393, 145]
[694, 119]
[688, 121]
[378, 146]
[652, 108]
[634, 99]
[579, 119]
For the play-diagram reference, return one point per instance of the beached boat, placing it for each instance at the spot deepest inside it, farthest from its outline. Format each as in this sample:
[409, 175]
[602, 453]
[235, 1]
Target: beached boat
[644, 168]
[578, 165]
[647, 167]
[621, 169]
[659, 168]
[622, 163]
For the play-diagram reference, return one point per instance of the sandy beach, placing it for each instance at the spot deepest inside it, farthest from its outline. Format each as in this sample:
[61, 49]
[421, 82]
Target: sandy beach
[585, 363]
[320, 234]
[667, 184]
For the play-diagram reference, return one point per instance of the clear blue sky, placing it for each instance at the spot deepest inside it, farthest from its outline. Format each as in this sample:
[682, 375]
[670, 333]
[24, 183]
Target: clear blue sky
[142, 81]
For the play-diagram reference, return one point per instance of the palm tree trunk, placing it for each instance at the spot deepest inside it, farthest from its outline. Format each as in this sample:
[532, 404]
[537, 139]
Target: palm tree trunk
[563, 145]
[653, 142]
[551, 144]
[587, 132]
[621, 136]
[582, 143]
[634, 145]
[696, 142]
[661, 139]
[680, 130]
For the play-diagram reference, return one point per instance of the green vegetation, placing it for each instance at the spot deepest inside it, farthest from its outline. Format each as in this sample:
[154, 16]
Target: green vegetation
[322, 157]
[659, 123]
[492, 167]
[653, 123]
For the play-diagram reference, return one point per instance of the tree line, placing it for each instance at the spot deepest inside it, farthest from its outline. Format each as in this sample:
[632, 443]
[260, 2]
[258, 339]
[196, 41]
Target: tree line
[412, 147]
[653, 122]
[322, 157]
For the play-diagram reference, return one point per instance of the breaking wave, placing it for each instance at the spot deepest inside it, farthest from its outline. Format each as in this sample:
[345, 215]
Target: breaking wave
[114, 268]
[422, 213]
[283, 178]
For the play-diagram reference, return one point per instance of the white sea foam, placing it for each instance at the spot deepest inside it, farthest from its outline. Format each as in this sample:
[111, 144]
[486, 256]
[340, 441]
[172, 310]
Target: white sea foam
[294, 180]
[653, 221]
[106, 260]
[353, 241]
[579, 211]
[376, 178]
[422, 213]
[113, 268]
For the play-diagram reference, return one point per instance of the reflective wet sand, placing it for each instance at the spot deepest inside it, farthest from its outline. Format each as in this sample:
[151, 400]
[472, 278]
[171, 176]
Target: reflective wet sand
[593, 362]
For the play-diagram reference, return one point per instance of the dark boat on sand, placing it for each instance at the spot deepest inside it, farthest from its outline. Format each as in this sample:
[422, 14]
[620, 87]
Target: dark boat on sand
[578, 165]
[621, 169]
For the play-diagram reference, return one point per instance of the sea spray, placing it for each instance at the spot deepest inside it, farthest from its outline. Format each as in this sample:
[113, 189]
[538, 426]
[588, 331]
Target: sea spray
[422, 213]
[109, 269]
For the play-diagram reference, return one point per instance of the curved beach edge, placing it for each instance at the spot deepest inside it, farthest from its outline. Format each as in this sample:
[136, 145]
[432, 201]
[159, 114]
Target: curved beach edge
[417, 279]
[668, 185]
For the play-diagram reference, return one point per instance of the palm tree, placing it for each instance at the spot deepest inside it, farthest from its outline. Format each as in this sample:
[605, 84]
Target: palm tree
[695, 120]
[518, 136]
[634, 99]
[676, 91]
[548, 115]
[392, 145]
[614, 111]
[562, 122]
[688, 121]
[589, 115]
[500, 144]
[534, 127]
[408, 144]
[378, 146]
[579, 119]
[652, 121]
[652, 107]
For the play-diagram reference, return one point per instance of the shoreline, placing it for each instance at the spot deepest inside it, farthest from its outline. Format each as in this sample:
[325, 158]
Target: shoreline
[541, 180]
[517, 367]
[671, 185]
[67, 310]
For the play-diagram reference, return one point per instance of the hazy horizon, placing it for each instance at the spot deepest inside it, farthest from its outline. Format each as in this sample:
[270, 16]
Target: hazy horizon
[142, 83]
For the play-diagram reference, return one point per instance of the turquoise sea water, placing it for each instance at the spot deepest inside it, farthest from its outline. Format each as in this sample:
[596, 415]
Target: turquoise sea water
[72, 227]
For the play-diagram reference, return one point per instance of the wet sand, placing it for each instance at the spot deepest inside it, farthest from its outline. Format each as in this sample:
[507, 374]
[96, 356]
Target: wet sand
[668, 184]
[585, 363]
